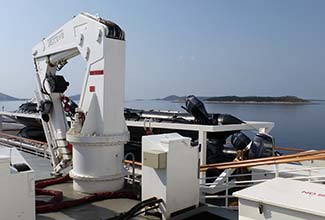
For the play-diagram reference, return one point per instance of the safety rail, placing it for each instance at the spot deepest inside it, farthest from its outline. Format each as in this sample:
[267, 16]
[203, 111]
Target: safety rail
[219, 189]
[298, 157]
[222, 186]
[225, 190]
[37, 148]
[203, 130]
[291, 149]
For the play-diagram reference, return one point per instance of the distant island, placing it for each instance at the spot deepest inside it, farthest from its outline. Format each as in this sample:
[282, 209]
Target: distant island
[4, 97]
[244, 99]
[212, 99]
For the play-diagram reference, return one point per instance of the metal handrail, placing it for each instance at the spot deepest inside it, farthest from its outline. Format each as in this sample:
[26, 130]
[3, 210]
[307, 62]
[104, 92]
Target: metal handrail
[309, 155]
[298, 157]
[289, 149]
[235, 184]
[130, 154]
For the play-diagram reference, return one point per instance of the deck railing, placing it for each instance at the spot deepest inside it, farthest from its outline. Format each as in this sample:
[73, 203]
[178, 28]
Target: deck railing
[220, 190]
[222, 186]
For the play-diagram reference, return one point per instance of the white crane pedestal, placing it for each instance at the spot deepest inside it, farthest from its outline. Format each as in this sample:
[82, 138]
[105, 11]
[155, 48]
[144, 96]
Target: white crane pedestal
[98, 163]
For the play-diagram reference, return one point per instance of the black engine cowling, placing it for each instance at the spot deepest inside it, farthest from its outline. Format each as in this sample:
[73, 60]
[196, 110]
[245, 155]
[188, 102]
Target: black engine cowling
[262, 146]
[196, 108]
[239, 140]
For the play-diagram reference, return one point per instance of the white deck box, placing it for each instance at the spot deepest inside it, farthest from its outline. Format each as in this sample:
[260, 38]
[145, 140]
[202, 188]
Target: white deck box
[170, 171]
[17, 189]
[282, 199]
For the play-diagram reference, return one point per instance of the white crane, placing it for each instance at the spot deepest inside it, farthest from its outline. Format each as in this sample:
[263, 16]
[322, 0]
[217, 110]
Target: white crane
[98, 131]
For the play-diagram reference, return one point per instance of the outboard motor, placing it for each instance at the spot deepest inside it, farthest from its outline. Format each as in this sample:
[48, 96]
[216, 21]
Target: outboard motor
[239, 140]
[262, 146]
[196, 108]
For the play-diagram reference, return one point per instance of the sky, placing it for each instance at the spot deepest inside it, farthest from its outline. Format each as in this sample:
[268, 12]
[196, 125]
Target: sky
[182, 47]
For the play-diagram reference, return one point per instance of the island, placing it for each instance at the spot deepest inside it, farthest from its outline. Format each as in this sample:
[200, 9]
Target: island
[243, 99]
[4, 97]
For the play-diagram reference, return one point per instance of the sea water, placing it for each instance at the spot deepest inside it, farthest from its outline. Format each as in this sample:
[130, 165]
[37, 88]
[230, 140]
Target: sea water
[296, 125]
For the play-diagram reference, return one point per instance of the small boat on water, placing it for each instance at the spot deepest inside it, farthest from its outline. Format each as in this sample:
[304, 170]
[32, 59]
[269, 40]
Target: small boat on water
[196, 114]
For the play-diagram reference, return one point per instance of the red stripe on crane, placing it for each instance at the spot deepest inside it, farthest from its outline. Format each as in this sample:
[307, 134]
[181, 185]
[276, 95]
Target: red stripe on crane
[91, 88]
[96, 72]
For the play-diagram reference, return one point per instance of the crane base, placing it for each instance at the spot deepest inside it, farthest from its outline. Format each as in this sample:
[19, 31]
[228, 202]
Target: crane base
[88, 184]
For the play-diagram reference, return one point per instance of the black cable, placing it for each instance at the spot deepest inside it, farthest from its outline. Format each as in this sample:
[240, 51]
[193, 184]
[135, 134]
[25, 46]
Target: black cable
[146, 210]
[129, 214]
[136, 210]
[43, 89]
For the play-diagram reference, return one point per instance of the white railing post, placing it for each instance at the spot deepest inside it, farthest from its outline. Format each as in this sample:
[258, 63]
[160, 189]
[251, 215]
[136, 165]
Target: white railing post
[203, 153]
[227, 192]
[276, 170]
[310, 171]
[203, 156]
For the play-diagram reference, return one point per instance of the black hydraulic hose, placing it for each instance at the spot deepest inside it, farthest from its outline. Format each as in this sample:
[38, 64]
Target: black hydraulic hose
[149, 209]
[43, 89]
[136, 210]
[130, 214]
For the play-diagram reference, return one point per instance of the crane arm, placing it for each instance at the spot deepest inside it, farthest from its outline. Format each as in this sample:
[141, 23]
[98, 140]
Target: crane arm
[101, 44]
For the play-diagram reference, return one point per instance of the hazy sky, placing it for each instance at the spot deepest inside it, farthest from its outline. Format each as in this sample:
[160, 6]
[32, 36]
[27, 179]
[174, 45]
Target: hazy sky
[206, 47]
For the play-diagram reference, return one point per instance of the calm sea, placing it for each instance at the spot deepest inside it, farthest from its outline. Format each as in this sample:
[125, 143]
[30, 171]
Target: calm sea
[300, 126]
